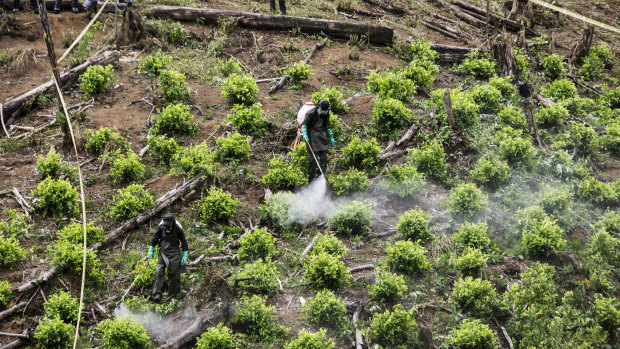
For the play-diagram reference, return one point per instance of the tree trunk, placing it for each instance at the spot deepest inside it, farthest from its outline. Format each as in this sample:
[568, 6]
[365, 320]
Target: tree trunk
[582, 48]
[510, 24]
[192, 331]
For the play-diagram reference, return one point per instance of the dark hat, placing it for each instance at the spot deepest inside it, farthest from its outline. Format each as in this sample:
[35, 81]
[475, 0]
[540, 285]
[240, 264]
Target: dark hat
[168, 217]
[324, 104]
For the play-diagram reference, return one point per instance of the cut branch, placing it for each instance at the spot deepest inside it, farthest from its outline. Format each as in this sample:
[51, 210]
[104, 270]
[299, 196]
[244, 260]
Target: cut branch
[11, 310]
[362, 268]
[358, 333]
[510, 24]
[194, 330]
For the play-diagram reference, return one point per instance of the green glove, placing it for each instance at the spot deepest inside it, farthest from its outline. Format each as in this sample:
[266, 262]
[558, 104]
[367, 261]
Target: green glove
[332, 142]
[184, 259]
[304, 133]
[151, 252]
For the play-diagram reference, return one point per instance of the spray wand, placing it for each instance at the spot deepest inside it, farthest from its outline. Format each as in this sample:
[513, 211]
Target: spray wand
[315, 159]
[136, 279]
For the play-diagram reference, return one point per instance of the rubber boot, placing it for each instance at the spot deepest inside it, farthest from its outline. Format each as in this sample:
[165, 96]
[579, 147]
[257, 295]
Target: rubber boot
[74, 6]
[35, 6]
[157, 298]
[90, 5]
[15, 6]
[57, 6]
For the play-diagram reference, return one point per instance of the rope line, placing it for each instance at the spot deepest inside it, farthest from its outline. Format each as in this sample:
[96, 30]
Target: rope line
[79, 38]
[576, 15]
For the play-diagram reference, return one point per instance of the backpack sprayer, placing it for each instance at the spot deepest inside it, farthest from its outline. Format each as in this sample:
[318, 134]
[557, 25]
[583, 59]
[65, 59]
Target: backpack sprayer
[301, 117]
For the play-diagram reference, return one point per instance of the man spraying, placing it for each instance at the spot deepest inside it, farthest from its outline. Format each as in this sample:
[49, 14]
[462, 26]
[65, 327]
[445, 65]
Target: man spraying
[169, 236]
[319, 137]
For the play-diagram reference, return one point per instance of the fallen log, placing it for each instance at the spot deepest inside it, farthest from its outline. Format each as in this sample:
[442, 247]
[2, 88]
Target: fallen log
[381, 235]
[462, 15]
[359, 342]
[192, 331]
[362, 268]
[392, 154]
[12, 309]
[15, 107]
[284, 79]
[452, 54]
[510, 24]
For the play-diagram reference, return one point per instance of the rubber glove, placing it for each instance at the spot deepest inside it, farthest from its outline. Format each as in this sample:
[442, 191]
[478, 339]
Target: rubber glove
[332, 142]
[184, 259]
[151, 252]
[304, 133]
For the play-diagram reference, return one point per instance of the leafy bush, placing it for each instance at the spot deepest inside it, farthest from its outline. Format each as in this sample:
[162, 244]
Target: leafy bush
[234, 148]
[490, 171]
[218, 337]
[307, 340]
[248, 120]
[231, 66]
[580, 107]
[335, 98]
[387, 286]
[413, 225]
[263, 277]
[467, 200]
[74, 233]
[353, 181]
[53, 333]
[552, 115]
[585, 136]
[175, 119]
[52, 165]
[393, 329]
[430, 159]
[285, 211]
[328, 243]
[10, 251]
[607, 313]
[472, 235]
[325, 309]
[63, 306]
[553, 66]
[476, 296]
[298, 72]
[611, 97]
[471, 262]
[362, 155]
[124, 332]
[105, 140]
[555, 200]
[404, 181]
[487, 97]
[407, 257]
[6, 294]
[420, 50]
[472, 333]
[560, 90]
[522, 61]
[240, 89]
[352, 219]
[543, 239]
[421, 72]
[127, 168]
[323, 270]
[603, 52]
[529, 217]
[610, 221]
[96, 78]
[604, 247]
[464, 108]
[67, 256]
[218, 206]
[391, 85]
[147, 277]
[163, 149]
[283, 174]
[611, 140]
[389, 116]
[562, 166]
[193, 160]
[57, 197]
[597, 192]
[15, 225]
[258, 320]
[153, 64]
[478, 67]
[514, 148]
[258, 243]
[592, 68]
[504, 85]
[173, 86]
[130, 202]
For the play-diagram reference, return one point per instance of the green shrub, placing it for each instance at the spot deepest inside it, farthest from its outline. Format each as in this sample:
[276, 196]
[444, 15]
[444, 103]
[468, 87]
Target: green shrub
[389, 116]
[471, 262]
[421, 72]
[285, 211]
[504, 85]
[240, 89]
[472, 235]
[74, 233]
[585, 135]
[353, 181]
[6, 294]
[283, 174]
[15, 225]
[10, 251]
[592, 68]
[478, 67]
[464, 108]
[258, 320]
[487, 97]
[580, 107]
[248, 120]
[597, 192]
[387, 286]
[430, 159]
[552, 115]
[611, 97]
[603, 52]
[335, 98]
[175, 119]
[298, 72]
[153, 64]
[67, 256]
[96, 78]
[147, 277]
[514, 148]
[328, 243]
[562, 166]
[555, 200]
[407, 257]
[234, 148]
[466, 200]
[470, 334]
[476, 296]
[607, 313]
[393, 329]
[522, 61]
[323, 270]
[560, 90]
[124, 332]
[218, 206]
[53, 166]
[362, 155]
[57, 198]
[490, 171]
[553, 66]
[527, 218]
[127, 168]
[604, 247]
[53, 333]
[162, 148]
[218, 337]
[610, 141]
[543, 239]
[413, 225]
[390, 85]
[325, 309]
[420, 50]
[263, 277]
[130, 202]
[258, 243]
[354, 218]
[610, 221]
[105, 140]
[307, 340]
[404, 181]
[193, 160]
[63, 306]
[229, 67]
[173, 86]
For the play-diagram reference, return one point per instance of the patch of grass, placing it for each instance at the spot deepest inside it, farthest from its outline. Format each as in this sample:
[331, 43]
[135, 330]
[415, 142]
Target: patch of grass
[17, 60]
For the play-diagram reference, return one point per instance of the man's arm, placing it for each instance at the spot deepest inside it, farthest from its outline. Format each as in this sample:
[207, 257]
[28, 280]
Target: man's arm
[184, 246]
[155, 238]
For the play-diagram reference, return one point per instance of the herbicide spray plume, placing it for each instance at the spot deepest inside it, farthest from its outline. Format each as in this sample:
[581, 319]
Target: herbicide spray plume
[157, 325]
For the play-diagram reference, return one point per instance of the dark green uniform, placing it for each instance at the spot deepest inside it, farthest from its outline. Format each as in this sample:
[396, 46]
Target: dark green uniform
[169, 236]
[317, 127]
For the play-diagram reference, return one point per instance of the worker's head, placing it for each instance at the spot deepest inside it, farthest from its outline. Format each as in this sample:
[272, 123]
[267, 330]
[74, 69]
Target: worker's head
[323, 107]
[168, 218]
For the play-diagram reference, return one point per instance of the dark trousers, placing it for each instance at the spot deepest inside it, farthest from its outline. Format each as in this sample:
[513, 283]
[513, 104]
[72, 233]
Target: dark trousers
[313, 169]
[33, 4]
[272, 5]
[174, 279]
